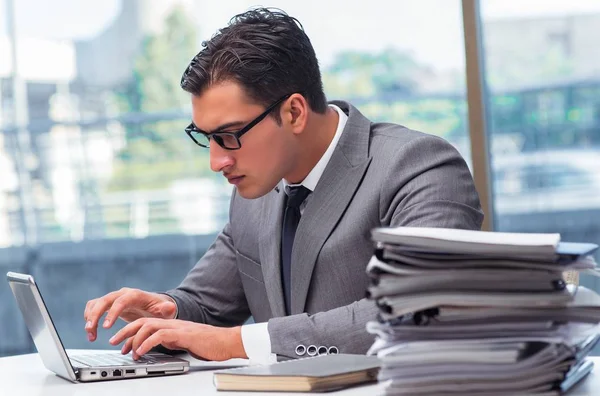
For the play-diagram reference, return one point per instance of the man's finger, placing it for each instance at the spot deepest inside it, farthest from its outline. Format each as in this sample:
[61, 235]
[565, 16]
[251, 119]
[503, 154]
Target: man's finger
[96, 312]
[88, 307]
[88, 323]
[149, 328]
[86, 315]
[162, 336]
[117, 307]
[128, 331]
[127, 346]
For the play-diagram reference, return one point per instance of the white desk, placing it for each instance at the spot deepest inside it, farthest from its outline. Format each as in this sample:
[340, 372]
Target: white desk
[26, 375]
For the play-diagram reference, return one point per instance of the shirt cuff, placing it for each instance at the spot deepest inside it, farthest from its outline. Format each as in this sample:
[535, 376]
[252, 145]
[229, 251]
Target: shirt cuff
[257, 343]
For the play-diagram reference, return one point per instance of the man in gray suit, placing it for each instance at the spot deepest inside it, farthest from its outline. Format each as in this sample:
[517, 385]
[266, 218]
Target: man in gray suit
[312, 180]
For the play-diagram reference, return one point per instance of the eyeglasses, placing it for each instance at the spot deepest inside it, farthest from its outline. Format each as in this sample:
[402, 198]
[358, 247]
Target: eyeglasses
[228, 140]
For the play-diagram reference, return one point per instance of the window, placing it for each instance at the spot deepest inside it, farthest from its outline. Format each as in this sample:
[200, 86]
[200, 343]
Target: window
[99, 183]
[543, 74]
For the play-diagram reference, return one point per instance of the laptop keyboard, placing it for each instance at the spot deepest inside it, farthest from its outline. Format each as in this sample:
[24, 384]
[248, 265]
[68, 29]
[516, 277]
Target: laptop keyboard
[111, 359]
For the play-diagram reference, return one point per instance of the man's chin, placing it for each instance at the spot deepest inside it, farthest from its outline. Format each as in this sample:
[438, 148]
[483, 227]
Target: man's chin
[252, 192]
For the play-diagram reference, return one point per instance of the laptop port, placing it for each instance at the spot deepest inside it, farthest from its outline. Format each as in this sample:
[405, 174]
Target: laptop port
[103, 374]
[117, 373]
[92, 373]
[131, 371]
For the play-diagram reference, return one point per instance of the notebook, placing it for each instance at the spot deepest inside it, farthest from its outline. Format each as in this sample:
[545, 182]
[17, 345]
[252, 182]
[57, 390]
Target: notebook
[313, 374]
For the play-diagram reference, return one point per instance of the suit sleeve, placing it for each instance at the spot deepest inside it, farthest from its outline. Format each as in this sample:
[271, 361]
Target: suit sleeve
[438, 191]
[212, 292]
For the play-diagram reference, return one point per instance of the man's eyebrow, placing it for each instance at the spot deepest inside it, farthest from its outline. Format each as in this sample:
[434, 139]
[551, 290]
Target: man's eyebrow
[228, 125]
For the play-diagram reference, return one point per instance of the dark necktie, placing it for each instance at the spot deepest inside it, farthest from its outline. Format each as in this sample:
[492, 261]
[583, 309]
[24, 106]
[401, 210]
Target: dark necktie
[291, 218]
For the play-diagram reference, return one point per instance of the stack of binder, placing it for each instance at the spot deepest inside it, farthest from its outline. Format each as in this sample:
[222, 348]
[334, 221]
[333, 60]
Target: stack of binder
[480, 313]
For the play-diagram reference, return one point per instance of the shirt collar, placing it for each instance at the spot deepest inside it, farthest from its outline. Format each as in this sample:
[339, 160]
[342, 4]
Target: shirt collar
[315, 174]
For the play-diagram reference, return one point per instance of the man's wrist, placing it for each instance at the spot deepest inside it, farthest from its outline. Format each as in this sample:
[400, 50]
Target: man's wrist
[167, 298]
[236, 345]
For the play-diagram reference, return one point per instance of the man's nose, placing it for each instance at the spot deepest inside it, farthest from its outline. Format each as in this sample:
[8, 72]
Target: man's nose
[220, 158]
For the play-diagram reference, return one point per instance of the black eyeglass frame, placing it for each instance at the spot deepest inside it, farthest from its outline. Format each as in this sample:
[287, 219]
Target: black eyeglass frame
[218, 136]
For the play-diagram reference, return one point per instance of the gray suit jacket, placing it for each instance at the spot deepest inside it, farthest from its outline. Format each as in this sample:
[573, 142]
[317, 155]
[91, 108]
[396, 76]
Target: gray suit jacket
[379, 175]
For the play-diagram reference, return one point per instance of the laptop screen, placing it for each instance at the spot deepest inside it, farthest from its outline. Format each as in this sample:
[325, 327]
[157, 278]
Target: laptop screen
[40, 325]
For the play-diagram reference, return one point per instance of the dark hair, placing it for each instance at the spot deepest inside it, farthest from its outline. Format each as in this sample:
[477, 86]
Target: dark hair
[267, 52]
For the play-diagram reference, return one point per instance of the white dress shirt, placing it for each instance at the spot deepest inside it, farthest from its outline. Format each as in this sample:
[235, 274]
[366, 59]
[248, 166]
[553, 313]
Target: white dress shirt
[255, 337]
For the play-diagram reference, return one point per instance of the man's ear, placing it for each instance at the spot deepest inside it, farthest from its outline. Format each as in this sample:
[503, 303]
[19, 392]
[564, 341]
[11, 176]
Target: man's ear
[297, 112]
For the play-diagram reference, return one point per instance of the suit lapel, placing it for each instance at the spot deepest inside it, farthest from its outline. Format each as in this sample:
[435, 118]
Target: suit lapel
[331, 197]
[270, 249]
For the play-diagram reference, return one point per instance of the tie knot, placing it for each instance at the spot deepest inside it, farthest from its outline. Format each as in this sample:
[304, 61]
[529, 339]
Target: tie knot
[297, 195]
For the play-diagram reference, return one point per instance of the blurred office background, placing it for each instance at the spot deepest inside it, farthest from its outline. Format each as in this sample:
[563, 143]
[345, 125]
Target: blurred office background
[100, 188]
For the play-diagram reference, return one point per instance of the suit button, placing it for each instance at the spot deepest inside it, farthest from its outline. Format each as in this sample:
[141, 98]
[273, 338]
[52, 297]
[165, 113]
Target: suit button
[311, 350]
[300, 350]
[322, 350]
[333, 350]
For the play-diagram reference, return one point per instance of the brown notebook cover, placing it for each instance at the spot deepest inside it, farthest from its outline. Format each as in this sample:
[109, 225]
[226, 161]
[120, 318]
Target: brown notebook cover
[313, 374]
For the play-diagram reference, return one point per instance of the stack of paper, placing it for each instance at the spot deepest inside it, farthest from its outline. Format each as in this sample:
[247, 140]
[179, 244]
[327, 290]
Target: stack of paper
[480, 313]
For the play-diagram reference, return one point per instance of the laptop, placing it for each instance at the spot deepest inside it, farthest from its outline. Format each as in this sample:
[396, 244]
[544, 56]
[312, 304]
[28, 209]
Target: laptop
[93, 366]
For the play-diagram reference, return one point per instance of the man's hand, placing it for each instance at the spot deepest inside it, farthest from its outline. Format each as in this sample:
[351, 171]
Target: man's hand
[200, 340]
[129, 305]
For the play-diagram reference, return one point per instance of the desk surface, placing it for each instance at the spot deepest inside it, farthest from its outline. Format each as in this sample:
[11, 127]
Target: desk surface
[26, 375]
